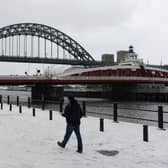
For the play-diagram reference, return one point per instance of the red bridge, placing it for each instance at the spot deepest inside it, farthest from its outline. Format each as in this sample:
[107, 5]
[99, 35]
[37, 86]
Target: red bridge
[35, 80]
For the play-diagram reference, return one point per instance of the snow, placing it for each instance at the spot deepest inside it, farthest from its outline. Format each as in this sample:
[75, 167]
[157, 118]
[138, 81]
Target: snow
[30, 142]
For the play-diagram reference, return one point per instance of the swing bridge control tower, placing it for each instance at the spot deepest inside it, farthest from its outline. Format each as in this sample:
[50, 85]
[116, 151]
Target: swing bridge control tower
[37, 43]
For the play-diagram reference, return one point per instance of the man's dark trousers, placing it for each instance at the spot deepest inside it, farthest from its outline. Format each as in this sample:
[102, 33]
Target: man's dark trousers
[69, 130]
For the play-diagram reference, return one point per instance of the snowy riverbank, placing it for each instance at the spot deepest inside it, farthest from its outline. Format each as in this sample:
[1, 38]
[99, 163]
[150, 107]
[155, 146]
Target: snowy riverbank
[30, 142]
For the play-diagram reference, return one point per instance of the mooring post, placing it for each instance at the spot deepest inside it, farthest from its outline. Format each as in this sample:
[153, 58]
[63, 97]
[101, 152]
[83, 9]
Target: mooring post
[29, 102]
[50, 115]
[20, 109]
[8, 99]
[115, 113]
[0, 98]
[84, 108]
[34, 112]
[1, 105]
[160, 117]
[17, 100]
[145, 133]
[10, 107]
[101, 124]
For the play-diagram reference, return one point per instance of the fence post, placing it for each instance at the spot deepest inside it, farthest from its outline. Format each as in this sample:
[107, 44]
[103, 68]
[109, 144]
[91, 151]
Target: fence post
[29, 102]
[61, 106]
[8, 99]
[115, 114]
[17, 100]
[50, 115]
[34, 112]
[101, 124]
[20, 109]
[0, 98]
[1, 105]
[10, 107]
[160, 117]
[84, 108]
[145, 133]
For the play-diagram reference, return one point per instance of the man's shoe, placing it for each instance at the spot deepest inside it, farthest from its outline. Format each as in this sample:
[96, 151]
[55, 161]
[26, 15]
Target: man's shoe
[61, 144]
[79, 151]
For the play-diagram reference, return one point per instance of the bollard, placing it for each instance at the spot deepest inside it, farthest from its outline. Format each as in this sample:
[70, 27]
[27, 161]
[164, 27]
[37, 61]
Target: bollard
[42, 102]
[1, 105]
[115, 114]
[20, 109]
[34, 112]
[8, 99]
[17, 100]
[61, 106]
[10, 107]
[145, 133]
[29, 102]
[101, 124]
[50, 115]
[160, 117]
[84, 108]
[0, 98]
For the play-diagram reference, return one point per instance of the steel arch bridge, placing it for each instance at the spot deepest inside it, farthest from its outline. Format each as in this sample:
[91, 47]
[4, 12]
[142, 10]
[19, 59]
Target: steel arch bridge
[37, 43]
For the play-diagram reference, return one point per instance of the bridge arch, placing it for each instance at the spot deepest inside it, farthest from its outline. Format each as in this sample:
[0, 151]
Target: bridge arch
[51, 34]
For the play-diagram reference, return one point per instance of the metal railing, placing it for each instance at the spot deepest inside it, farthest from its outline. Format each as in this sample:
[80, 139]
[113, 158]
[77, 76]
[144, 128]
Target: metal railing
[89, 110]
[83, 78]
[111, 78]
[115, 116]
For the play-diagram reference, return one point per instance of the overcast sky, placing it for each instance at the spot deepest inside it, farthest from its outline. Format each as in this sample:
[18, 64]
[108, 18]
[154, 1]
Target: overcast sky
[100, 26]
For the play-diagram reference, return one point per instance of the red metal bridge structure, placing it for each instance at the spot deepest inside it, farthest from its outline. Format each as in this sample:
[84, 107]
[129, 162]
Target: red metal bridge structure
[37, 43]
[105, 75]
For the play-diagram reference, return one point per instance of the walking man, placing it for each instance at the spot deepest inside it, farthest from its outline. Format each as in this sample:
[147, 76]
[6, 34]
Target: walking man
[73, 114]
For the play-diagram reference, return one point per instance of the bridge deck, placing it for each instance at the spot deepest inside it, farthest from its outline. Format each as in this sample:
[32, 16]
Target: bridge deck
[39, 60]
[31, 80]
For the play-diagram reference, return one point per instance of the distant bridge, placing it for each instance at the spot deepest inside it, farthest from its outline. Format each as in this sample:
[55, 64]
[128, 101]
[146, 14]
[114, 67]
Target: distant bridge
[37, 43]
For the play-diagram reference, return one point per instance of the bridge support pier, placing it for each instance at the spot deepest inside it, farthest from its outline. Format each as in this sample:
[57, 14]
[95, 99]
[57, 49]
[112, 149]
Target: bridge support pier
[47, 93]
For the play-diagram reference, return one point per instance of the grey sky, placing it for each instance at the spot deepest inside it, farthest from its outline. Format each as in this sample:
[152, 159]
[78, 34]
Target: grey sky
[100, 26]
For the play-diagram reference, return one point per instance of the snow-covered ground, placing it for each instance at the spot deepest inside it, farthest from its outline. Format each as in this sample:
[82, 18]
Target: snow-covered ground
[30, 142]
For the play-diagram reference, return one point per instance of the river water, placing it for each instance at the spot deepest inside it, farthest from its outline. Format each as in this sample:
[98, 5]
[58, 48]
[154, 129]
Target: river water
[102, 108]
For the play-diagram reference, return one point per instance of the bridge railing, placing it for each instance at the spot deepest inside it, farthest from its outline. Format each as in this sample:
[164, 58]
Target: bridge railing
[83, 78]
[111, 78]
[22, 77]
